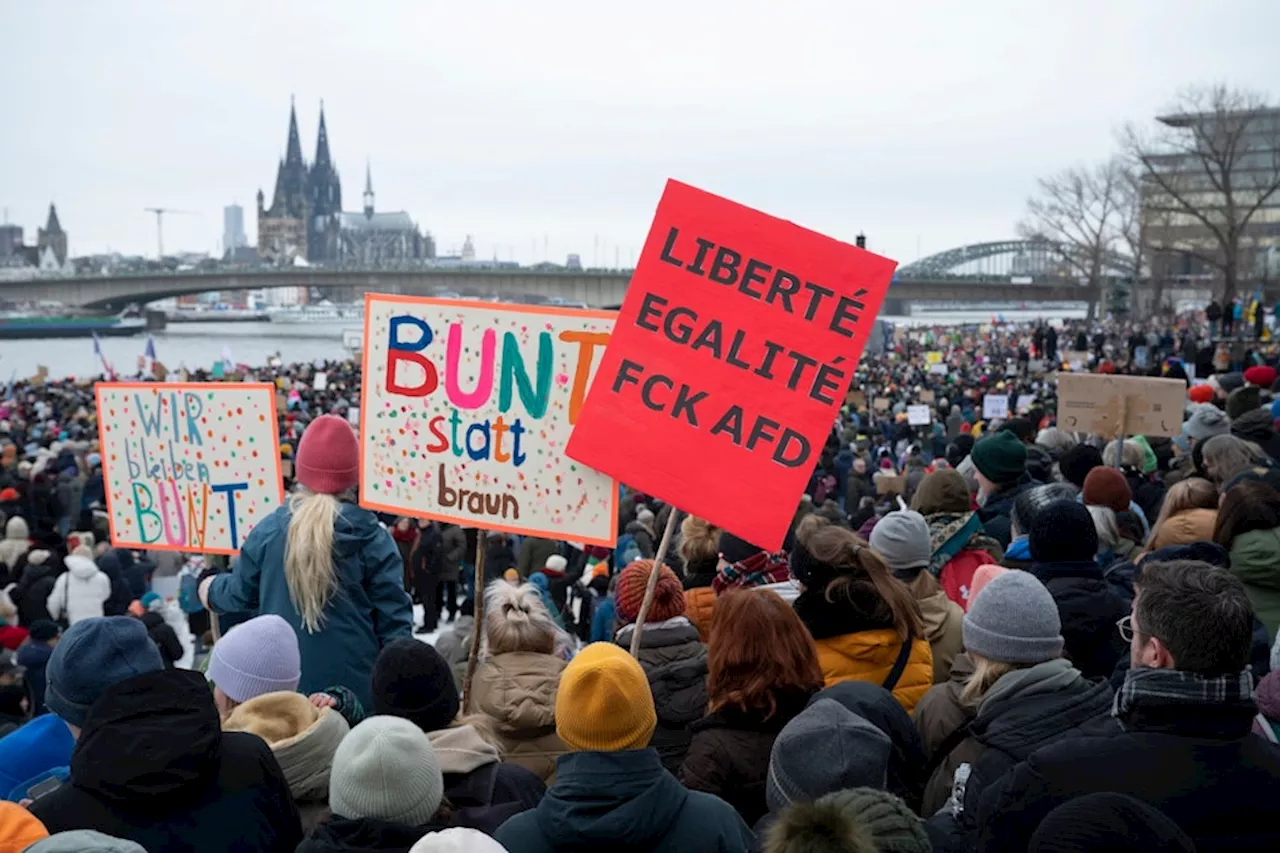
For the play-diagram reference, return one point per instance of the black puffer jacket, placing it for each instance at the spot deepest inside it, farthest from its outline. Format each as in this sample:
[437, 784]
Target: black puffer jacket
[153, 765]
[995, 513]
[32, 592]
[676, 663]
[1089, 609]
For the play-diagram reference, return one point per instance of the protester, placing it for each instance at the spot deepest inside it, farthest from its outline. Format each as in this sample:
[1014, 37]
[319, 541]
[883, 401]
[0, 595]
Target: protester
[257, 656]
[1063, 545]
[19, 830]
[611, 791]
[762, 671]
[855, 820]
[1184, 744]
[296, 561]
[1248, 526]
[1099, 823]
[902, 540]
[1025, 506]
[81, 592]
[31, 595]
[1000, 463]
[674, 659]
[700, 553]
[33, 657]
[16, 541]
[518, 676]
[151, 763]
[866, 623]
[411, 680]
[742, 564]
[1189, 514]
[958, 541]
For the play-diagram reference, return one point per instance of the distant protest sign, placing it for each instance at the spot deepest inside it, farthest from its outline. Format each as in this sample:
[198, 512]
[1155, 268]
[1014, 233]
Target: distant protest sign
[882, 404]
[933, 357]
[927, 396]
[995, 406]
[894, 485]
[1095, 403]
[465, 411]
[855, 398]
[1025, 402]
[939, 369]
[738, 337]
[188, 466]
[919, 415]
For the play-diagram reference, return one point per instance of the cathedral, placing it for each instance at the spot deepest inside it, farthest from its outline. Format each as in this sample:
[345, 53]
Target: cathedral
[305, 219]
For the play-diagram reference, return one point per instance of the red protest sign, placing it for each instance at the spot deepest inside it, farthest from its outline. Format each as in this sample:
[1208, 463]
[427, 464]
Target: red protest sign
[731, 355]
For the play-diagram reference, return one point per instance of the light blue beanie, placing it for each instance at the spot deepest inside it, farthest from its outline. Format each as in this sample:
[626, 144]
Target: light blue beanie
[256, 657]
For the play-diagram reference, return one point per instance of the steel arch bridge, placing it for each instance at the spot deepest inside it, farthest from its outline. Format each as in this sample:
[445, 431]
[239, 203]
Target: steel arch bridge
[1005, 258]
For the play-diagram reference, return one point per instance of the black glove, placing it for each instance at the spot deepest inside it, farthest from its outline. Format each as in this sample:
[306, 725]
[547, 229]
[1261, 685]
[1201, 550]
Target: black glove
[211, 572]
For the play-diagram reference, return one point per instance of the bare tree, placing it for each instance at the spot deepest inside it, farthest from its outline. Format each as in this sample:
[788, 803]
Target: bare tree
[1206, 170]
[1131, 230]
[1079, 211]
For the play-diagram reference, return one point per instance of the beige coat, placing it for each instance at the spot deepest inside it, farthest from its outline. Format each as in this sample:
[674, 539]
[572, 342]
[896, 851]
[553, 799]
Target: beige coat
[937, 715]
[517, 692]
[944, 626]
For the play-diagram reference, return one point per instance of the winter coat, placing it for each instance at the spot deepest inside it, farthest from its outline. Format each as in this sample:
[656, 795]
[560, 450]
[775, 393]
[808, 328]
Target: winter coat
[1198, 763]
[303, 739]
[31, 596]
[1089, 609]
[1024, 710]
[369, 610]
[517, 691]
[534, 553]
[675, 661]
[482, 790]
[16, 541]
[164, 638]
[729, 753]
[1192, 525]
[699, 607]
[454, 644]
[153, 766]
[34, 659]
[644, 540]
[623, 801]
[1255, 560]
[943, 627]
[995, 513]
[1018, 554]
[455, 552]
[365, 835]
[31, 752]
[80, 592]
[857, 642]
[937, 715]
[113, 564]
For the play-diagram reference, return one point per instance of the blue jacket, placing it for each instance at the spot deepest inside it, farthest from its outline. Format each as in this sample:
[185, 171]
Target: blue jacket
[369, 610]
[623, 801]
[33, 750]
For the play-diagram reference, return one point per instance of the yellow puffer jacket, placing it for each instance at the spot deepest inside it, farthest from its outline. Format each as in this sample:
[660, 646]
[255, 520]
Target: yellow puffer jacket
[699, 605]
[870, 655]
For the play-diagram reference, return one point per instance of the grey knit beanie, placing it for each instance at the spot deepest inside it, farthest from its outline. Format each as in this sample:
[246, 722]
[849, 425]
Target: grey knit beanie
[1014, 619]
[902, 539]
[1206, 422]
[823, 749]
[387, 769]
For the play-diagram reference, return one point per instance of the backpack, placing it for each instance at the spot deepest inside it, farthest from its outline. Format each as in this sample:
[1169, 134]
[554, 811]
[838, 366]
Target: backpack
[189, 589]
[626, 552]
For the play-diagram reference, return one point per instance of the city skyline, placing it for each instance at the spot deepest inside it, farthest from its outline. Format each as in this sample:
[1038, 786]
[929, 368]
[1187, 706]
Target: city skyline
[547, 132]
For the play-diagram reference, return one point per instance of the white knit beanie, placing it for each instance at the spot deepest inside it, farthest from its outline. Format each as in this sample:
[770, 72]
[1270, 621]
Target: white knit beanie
[457, 840]
[387, 769]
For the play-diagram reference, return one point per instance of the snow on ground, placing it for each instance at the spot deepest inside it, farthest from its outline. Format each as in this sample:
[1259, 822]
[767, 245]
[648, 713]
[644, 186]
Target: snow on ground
[434, 635]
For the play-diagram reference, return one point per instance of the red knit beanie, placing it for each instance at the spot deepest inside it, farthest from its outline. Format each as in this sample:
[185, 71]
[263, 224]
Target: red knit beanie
[1200, 393]
[1107, 487]
[1260, 375]
[328, 459]
[668, 595]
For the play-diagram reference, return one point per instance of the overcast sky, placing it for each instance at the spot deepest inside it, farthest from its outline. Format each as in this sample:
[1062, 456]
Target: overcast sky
[555, 123]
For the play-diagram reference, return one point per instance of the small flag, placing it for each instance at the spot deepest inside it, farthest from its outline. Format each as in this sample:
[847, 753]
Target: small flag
[106, 365]
[150, 352]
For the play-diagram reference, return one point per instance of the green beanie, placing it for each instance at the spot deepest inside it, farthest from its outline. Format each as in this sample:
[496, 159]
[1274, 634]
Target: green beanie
[1000, 457]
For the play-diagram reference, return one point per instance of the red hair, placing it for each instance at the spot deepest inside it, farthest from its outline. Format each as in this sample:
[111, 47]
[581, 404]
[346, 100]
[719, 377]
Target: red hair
[758, 648]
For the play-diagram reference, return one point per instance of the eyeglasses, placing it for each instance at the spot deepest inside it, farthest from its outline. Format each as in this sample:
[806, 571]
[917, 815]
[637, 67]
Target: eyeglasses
[1125, 626]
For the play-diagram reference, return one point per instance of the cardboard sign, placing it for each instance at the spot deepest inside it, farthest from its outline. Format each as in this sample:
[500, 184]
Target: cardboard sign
[1025, 402]
[919, 416]
[738, 333]
[855, 398]
[927, 396]
[465, 411]
[1035, 365]
[995, 406]
[891, 485]
[188, 466]
[938, 369]
[883, 404]
[1090, 402]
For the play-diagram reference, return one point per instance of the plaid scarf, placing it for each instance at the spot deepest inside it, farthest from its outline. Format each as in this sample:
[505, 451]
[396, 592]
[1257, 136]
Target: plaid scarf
[1164, 688]
[758, 570]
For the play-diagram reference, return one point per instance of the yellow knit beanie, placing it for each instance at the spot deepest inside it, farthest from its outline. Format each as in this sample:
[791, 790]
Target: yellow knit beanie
[604, 703]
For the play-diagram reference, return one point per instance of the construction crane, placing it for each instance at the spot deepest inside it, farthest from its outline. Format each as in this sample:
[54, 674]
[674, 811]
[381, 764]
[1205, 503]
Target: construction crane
[160, 212]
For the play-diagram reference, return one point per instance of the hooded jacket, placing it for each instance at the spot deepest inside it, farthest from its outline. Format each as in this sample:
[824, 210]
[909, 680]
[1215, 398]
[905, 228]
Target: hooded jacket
[623, 802]
[113, 564]
[31, 596]
[517, 690]
[1192, 525]
[675, 661]
[482, 790]
[303, 739]
[996, 511]
[80, 592]
[153, 766]
[1089, 609]
[369, 610]
[16, 541]
[1255, 560]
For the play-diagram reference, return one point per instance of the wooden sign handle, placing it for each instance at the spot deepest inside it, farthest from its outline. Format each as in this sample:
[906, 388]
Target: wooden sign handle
[473, 656]
[653, 580]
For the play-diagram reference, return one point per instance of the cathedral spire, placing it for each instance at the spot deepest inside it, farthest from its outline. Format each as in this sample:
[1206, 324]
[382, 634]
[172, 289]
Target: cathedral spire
[322, 143]
[368, 189]
[53, 226]
[293, 154]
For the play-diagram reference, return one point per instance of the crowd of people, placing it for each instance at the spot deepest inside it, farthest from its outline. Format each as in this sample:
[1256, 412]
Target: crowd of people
[981, 634]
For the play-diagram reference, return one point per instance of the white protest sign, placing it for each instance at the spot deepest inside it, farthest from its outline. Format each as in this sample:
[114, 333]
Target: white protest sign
[1025, 402]
[321, 381]
[939, 369]
[919, 415]
[995, 406]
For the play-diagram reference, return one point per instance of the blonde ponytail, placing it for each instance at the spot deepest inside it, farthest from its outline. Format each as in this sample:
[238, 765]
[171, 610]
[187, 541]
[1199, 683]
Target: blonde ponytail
[308, 555]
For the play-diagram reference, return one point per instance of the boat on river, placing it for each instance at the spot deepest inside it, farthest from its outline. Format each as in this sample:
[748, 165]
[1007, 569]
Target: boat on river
[15, 325]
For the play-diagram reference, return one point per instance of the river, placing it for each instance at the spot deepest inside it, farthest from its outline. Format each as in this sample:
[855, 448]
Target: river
[201, 344]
